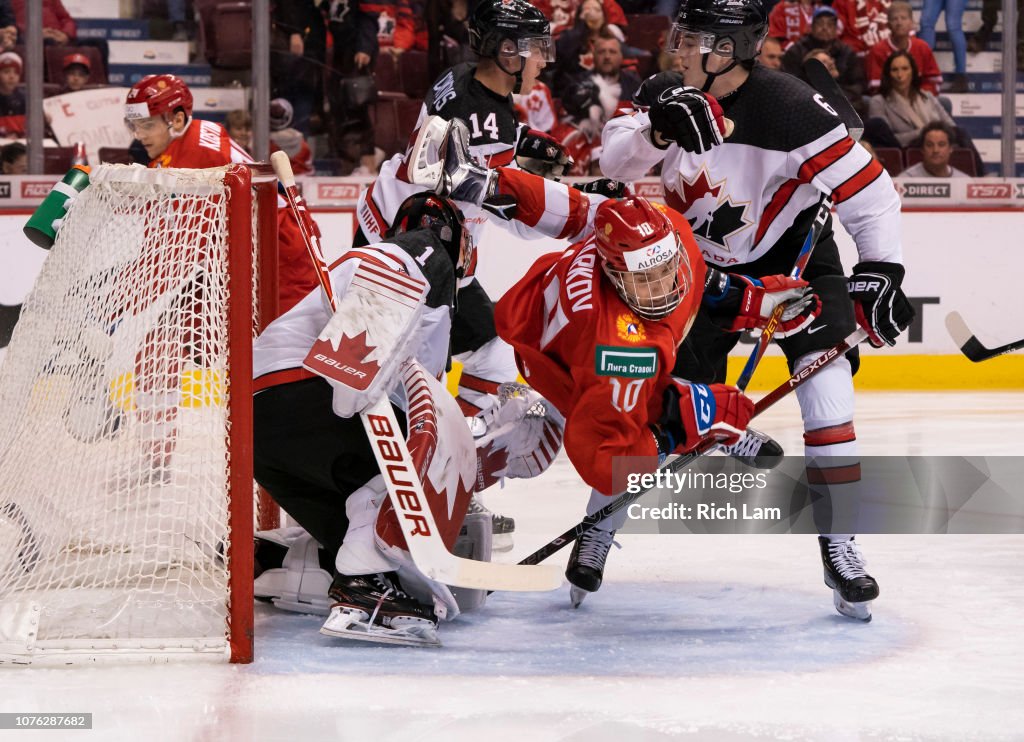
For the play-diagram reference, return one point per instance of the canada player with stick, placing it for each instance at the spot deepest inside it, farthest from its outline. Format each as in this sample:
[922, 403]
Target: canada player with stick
[751, 201]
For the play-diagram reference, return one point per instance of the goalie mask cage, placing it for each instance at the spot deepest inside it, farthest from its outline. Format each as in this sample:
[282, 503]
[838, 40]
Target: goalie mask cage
[126, 490]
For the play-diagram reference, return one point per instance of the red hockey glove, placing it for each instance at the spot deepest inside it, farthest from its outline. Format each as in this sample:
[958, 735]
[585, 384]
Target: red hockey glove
[542, 154]
[761, 296]
[692, 411]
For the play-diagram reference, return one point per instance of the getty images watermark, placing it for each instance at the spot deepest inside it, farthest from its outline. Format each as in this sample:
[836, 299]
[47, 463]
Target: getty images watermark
[689, 481]
[872, 494]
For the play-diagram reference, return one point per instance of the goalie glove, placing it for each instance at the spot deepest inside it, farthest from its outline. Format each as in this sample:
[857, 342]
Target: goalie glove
[690, 412]
[542, 154]
[879, 303]
[745, 303]
[680, 114]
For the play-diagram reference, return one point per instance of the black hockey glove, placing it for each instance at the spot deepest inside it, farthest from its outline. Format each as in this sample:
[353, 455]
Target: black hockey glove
[541, 154]
[603, 187]
[687, 117]
[879, 303]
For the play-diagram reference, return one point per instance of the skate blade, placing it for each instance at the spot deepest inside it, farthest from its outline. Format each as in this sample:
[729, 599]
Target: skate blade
[577, 595]
[859, 611]
[344, 624]
[501, 542]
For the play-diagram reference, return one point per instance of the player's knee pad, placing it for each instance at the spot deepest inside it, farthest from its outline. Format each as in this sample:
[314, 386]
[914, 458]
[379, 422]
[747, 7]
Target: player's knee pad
[826, 398]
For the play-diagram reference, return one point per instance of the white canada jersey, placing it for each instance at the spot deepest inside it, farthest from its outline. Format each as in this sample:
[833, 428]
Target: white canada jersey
[755, 191]
[280, 349]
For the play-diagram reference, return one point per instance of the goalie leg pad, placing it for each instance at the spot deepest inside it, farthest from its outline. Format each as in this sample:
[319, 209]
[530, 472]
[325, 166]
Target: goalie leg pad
[474, 542]
[300, 584]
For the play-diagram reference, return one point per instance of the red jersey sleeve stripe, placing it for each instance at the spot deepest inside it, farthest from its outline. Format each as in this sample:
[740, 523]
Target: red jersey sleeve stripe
[777, 204]
[867, 175]
[823, 159]
[500, 159]
[284, 376]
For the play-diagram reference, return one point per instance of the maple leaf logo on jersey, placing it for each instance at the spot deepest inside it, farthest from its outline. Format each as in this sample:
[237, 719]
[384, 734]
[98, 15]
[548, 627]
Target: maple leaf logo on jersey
[630, 328]
[710, 210]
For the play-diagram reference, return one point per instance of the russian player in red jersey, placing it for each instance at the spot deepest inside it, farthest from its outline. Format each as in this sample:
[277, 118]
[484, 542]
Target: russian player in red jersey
[158, 113]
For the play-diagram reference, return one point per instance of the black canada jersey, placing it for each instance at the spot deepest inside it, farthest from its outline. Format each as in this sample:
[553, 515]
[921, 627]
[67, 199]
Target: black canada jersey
[756, 191]
[493, 125]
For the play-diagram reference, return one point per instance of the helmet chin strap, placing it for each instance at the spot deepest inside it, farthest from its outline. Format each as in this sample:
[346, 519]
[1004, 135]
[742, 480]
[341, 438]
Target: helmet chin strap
[712, 75]
[518, 76]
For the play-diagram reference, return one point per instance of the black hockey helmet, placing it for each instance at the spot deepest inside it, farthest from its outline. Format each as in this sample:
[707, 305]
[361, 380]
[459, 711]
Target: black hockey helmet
[427, 210]
[579, 97]
[493, 21]
[730, 28]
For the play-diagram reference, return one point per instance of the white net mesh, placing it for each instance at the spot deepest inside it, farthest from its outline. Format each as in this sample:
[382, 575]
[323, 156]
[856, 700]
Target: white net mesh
[113, 426]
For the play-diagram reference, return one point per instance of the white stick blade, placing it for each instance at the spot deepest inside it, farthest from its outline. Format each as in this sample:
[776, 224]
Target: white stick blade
[476, 575]
[958, 329]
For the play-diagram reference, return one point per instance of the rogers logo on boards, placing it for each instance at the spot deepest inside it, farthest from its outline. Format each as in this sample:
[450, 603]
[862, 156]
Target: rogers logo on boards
[649, 190]
[337, 191]
[35, 190]
[989, 190]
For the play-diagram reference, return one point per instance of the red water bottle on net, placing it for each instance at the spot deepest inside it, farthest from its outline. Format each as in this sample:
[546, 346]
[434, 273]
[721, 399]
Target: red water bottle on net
[80, 157]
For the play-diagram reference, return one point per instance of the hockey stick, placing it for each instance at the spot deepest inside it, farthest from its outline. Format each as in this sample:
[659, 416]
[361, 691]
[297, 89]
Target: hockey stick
[680, 462]
[405, 491]
[969, 344]
[834, 98]
[802, 258]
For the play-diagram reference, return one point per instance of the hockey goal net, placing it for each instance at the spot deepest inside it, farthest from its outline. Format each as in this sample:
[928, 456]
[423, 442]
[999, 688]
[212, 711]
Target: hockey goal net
[126, 491]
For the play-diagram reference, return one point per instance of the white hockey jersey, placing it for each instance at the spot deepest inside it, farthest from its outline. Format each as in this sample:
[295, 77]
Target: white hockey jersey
[757, 190]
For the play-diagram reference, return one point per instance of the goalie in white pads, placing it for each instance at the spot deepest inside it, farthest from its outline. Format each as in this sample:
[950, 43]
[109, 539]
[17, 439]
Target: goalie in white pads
[395, 302]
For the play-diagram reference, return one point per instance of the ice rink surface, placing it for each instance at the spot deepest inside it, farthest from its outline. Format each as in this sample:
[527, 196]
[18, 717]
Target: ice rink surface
[696, 637]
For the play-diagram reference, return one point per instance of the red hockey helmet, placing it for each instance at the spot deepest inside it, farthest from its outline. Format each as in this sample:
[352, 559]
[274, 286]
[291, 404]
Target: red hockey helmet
[157, 95]
[642, 255]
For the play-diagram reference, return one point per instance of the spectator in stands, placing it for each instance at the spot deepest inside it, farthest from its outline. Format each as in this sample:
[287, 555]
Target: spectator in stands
[771, 53]
[823, 35]
[8, 26]
[58, 27]
[615, 84]
[14, 159]
[298, 51]
[239, 126]
[574, 49]
[579, 131]
[76, 69]
[901, 38]
[901, 110]
[862, 23]
[290, 141]
[826, 59]
[354, 36]
[989, 17]
[12, 100]
[936, 148]
[954, 11]
[564, 14]
[789, 20]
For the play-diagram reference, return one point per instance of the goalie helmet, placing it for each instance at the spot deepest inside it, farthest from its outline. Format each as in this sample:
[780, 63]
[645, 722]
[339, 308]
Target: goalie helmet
[158, 95]
[429, 211]
[730, 28]
[641, 253]
[493, 21]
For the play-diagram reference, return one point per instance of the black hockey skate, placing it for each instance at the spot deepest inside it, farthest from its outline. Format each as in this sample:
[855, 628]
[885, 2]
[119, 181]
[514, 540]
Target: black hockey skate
[852, 587]
[756, 449]
[502, 526]
[374, 608]
[586, 563]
